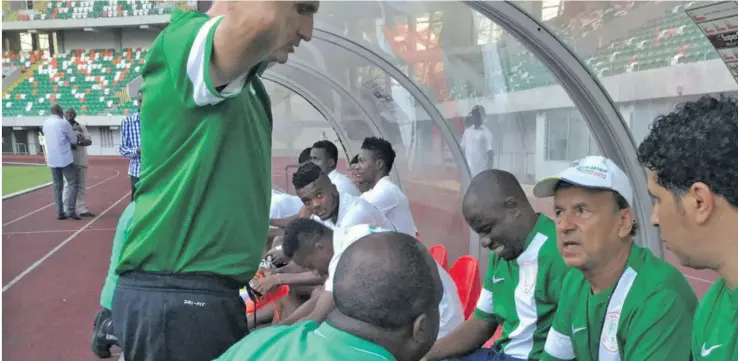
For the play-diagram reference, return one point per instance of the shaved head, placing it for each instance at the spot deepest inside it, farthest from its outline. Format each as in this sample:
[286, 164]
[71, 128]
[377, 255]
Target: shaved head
[497, 209]
[389, 281]
[56, 109]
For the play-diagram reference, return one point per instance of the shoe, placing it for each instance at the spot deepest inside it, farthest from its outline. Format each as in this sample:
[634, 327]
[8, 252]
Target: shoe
[61, 217]
[86, 214]
[102, 334]
[74, 216]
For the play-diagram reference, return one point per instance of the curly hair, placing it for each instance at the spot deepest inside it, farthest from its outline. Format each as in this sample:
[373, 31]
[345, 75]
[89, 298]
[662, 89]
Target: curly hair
[304, 156]
[382, 149]
[329, 148]
[698, 142]
[306, 174]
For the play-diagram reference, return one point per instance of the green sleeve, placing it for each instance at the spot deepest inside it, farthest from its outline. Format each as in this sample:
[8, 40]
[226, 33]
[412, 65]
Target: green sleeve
[186, 49]
[119, 239]
[485, 304]
[555, 272]
[661, 329]
[558, 343]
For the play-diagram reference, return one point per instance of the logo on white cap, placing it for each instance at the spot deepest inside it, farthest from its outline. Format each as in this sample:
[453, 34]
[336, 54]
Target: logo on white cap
[589, 172]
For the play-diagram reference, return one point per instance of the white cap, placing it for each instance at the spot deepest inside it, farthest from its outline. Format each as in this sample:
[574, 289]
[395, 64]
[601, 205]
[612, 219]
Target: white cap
[589, 172]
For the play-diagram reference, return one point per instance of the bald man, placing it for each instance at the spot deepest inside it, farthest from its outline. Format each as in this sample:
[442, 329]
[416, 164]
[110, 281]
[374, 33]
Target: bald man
[369, 323]
[524, 275]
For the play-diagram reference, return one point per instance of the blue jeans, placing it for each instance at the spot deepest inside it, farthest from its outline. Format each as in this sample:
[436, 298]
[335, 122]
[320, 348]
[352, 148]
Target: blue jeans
[484, 354]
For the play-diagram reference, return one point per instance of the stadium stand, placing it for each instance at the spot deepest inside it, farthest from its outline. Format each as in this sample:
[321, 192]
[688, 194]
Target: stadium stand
[98, 9]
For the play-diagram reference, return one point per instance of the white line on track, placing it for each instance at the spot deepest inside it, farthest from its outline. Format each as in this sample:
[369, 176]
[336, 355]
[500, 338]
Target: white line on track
[56, 231]
[58, 247]
[117, 173]
[699, 279]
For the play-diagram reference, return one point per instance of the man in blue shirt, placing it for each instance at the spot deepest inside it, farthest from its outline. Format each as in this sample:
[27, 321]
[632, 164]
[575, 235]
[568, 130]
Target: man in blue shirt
[60, 138]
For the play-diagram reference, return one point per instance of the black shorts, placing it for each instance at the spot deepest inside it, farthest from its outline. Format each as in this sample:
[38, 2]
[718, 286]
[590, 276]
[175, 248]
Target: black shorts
[182, 317]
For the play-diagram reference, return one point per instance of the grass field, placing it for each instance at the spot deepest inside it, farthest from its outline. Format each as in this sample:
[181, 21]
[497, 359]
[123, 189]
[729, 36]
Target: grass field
[19, 177]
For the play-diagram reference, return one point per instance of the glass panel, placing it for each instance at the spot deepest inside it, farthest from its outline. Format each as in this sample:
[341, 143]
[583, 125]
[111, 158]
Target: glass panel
[297, 125]
[471, 62]
[649, 55]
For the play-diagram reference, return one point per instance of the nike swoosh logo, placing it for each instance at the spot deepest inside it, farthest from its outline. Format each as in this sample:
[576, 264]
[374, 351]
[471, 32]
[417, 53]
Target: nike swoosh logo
[575, 330]
[706, 352]
[497, 280]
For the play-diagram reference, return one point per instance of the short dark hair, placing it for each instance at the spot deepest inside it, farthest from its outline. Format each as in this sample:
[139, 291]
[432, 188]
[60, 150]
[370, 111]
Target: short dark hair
[306, 174]
[304, 156]
[620, 202]
[385, 279]
[300, 234]
[382, 149]
[329, 148]
[698, 142]
[354, 160]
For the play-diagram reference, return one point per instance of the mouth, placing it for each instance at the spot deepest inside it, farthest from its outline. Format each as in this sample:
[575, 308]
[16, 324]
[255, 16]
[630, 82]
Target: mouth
[570, 245]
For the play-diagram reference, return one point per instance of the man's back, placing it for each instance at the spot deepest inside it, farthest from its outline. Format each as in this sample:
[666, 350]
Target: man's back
[306, 340]
[58, 138]
[212, 150]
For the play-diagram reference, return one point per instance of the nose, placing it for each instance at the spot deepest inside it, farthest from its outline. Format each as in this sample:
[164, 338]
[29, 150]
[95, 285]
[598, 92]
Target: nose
[305, 31]
[484, 240]
[564, 222]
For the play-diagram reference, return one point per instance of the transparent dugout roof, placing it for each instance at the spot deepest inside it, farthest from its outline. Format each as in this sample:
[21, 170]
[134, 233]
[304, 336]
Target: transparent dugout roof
[412, 71]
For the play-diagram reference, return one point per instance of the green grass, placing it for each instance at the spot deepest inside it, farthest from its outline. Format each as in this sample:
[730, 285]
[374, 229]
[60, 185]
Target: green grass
[18, 178]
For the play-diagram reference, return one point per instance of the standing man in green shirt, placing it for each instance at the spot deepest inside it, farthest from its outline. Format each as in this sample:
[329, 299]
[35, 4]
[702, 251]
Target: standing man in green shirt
[692, 159]
[387, 290]
[524, 275]
[202, 201]
[620, 302]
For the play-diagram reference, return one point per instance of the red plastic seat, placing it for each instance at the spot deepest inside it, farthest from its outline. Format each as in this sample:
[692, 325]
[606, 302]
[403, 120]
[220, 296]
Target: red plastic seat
[440, 254]
[465, 273]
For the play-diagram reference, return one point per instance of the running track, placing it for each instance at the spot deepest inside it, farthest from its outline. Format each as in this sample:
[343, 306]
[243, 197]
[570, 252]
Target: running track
[53, 270]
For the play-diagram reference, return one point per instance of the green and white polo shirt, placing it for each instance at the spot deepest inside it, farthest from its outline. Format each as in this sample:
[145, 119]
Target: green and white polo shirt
[522, 294]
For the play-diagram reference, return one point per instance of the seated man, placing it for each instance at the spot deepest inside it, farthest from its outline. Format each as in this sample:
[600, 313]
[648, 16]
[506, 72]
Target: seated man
[102, 335]
[327, 205]
[387, 291]
[325, 155]
[354, 167]
[314, 246]
[696, 209]
[521, 289]
[620, 302]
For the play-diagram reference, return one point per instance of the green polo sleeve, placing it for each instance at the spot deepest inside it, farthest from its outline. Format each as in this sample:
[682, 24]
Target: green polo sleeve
[558, 345]
[485, 304]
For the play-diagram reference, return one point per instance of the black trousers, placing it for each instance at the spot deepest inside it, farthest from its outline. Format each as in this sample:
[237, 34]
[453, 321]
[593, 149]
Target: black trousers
[177, 317]
[134, 180]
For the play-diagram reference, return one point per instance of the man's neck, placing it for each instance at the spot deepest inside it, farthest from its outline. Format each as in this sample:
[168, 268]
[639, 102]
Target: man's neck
[604, 276]
[334, 216]
[377, 179]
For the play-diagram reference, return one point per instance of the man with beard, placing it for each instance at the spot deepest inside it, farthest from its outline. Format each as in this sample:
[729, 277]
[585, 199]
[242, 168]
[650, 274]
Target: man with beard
[524, 275]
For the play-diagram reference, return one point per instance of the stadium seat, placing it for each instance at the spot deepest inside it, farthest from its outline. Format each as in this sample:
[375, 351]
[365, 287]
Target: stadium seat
[465, 273]
[440, 254]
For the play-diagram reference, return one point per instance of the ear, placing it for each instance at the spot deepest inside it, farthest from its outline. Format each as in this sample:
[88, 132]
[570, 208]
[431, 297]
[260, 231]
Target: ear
[421, 328]
[626, 222]
[511, 205]
[380, 163]
[702, 201]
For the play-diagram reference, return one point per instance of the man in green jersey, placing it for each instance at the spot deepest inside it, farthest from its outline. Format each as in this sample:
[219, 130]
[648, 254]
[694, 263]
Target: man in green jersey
[102, 335]
[386, 291]
[524, 275]
[202, 201]
[692, 160]
[620, 302]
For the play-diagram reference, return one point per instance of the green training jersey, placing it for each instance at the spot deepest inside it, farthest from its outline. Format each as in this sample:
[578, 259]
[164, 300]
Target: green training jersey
[715, 333]
[306, 340]
[521, 295]
[202, 203]
[646, 315]
[121, 234]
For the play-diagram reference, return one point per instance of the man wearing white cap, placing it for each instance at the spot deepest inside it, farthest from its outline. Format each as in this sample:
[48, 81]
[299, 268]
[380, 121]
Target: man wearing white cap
[620, 302]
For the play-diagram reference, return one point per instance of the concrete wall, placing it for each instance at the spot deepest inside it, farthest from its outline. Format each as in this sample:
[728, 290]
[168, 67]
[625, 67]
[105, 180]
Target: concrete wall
[98, 39]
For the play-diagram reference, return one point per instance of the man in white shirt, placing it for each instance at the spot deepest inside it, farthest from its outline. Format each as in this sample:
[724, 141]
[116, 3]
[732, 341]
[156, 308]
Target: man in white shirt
[375, 163]
[315, 246]
[59, 138]
[79, 153]
[476, 143]
[325, 155]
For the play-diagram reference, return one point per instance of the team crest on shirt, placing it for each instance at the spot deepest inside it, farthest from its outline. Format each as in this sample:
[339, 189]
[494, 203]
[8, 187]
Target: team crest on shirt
[528, 275]
[610, 332]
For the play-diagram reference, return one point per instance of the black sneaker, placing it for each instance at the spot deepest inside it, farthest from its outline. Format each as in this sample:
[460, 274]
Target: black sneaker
[74, 216]
[102, 334]
[61, 217]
